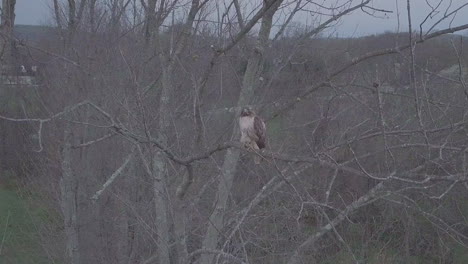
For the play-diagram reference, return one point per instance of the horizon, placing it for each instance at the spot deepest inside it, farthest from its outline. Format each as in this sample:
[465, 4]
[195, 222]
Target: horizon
[458, 33]
[356, 24]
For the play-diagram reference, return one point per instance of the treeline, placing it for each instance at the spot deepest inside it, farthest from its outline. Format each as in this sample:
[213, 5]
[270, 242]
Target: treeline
[130, 141]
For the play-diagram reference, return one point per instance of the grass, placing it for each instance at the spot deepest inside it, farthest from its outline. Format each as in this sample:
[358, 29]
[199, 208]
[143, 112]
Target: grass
[19, 242]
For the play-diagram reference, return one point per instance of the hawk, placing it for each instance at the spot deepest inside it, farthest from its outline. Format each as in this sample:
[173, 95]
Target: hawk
[253, 131]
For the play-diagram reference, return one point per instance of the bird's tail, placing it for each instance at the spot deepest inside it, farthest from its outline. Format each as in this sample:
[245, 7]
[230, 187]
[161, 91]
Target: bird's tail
[257, 157]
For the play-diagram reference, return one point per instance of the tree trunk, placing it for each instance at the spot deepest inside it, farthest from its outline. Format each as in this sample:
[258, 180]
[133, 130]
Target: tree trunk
[74, 17]
[6, 28]
[159, 160]
[92, 14]
[71, 15]
[160, 173]
[8, 13]
[180, 233]
[161, 206]
[228, 171]
[150, 22]
[68, 187]
[58, 18]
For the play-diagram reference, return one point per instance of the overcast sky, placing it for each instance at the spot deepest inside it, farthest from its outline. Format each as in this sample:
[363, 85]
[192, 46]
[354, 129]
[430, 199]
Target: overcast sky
[37, 12]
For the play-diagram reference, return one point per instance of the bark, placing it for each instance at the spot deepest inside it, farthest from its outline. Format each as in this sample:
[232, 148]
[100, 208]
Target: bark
[180, 220]
[74, 17]
[58, 18]
[6, 28]
[160, 172]
[118, 8]
[132, 195]
[160, 160]
[114, 176]
[8, 13]
[150, 20]
[240, 20]
[79, 15]
[228, 171]
[68, 187]
[71, 15]
[161, 206]
[92, 14]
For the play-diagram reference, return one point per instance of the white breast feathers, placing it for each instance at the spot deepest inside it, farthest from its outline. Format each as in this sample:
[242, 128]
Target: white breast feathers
[246, 124]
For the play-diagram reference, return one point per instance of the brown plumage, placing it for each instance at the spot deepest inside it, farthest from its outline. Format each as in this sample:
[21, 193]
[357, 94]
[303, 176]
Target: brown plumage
[253, 131]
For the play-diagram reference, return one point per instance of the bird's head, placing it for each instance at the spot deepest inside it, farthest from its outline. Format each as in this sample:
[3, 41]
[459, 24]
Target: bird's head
[247, 112]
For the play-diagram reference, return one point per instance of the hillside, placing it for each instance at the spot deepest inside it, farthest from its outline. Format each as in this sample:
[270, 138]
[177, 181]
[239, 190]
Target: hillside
[32, 33]
[140, 143]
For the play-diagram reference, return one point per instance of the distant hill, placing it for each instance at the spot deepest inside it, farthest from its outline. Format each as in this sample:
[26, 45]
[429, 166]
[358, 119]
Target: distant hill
[35, 32]
[32, 33]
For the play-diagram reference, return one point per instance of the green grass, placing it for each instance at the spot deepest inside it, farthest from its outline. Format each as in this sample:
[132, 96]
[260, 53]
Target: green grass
[19, 243]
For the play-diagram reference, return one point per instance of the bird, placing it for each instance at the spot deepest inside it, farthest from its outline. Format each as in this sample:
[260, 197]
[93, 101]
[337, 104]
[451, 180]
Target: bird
[253, 131]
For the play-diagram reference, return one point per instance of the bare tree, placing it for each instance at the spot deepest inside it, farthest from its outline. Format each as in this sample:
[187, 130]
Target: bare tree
[69, 205]
[6, 29]
[149, 165]
[228, 171]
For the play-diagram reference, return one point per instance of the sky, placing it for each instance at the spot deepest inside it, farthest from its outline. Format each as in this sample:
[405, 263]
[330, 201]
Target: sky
[37, 12]
[359, 23]
[32, 12]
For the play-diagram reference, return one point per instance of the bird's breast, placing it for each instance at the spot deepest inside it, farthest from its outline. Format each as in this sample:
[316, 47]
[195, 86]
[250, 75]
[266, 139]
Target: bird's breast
[245, 123]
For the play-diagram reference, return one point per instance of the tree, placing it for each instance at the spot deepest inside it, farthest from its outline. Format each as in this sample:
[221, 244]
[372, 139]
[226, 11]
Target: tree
[139, 115]
[6, 29]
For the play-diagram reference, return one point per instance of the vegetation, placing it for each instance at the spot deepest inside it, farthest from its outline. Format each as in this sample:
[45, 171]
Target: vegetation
[125, 148]
[20, 225]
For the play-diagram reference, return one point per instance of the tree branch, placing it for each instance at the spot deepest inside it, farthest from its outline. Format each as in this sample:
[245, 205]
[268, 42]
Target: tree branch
[113, 176]
[291, 103]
